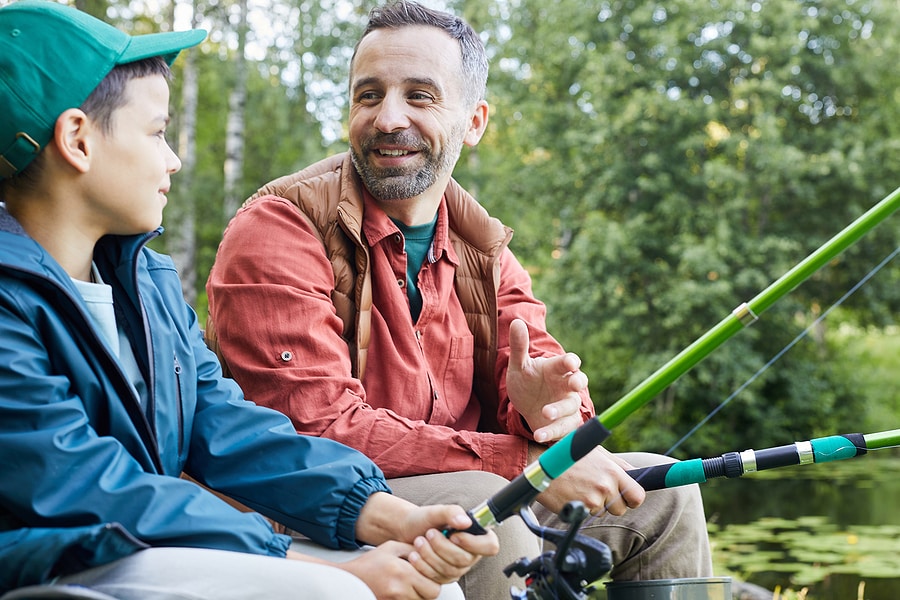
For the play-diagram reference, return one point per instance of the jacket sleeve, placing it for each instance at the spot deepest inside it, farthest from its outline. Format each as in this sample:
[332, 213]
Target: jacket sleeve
[315, 486]
[516, 301]
[270, 300]
[60, 473]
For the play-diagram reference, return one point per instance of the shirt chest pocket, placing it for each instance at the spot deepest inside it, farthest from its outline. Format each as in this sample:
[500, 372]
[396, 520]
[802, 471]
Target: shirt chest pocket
[456, 379]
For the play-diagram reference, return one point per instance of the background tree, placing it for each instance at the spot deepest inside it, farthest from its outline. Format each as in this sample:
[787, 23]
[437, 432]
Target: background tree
[182, 240]
[234, 131]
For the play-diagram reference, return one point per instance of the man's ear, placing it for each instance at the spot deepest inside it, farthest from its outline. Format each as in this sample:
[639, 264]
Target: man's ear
[73, 139]
[477, 124]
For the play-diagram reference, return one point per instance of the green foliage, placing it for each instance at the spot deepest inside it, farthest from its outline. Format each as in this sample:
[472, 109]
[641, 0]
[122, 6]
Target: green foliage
[869, 360]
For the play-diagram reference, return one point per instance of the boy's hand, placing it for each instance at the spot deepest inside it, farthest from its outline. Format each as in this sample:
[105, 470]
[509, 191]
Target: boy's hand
[438, 557]
[444, 559]
[390, 574]
[441, 560]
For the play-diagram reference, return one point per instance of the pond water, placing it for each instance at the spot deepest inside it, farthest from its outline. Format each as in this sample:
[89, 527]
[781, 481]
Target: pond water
[822, 532]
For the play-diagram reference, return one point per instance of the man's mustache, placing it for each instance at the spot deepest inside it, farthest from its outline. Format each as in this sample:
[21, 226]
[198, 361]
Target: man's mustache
[400, 138]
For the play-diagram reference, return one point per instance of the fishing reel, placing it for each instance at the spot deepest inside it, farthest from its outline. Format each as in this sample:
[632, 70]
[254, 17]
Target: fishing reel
[564, 573]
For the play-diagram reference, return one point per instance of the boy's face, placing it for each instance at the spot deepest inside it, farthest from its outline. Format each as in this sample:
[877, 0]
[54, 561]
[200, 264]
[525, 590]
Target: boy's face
[130, 172]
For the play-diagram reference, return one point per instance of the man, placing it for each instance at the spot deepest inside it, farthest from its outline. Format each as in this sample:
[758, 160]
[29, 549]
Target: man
[108, 393]
[375, 302]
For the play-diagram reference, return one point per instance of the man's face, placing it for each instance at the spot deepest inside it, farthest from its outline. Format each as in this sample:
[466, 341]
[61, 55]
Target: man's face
[408, 116]
[130, 174]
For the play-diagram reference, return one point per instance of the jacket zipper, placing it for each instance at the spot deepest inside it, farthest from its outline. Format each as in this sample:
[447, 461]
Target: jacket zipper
[180, 400]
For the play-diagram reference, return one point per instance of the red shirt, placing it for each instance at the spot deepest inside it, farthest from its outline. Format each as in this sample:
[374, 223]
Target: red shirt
[414, 411]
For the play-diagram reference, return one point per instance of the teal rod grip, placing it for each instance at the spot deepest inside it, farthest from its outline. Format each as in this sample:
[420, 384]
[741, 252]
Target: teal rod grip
[838, 447]
[576, 444]
[666, 475]
[686, 472]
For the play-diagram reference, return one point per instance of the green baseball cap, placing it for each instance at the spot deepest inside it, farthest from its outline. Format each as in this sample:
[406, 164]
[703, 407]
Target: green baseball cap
[51, 58]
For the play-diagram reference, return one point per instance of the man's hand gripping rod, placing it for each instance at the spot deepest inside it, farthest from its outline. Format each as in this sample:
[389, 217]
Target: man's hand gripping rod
[522, 490]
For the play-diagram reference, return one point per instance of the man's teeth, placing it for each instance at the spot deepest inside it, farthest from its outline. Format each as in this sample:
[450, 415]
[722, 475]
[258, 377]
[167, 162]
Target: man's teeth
[393, 152]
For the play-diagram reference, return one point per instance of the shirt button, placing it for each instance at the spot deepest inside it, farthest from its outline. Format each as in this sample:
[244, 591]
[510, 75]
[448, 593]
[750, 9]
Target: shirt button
[287, 355]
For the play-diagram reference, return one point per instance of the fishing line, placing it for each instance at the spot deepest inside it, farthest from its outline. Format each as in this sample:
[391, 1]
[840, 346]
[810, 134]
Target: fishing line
[784, 350]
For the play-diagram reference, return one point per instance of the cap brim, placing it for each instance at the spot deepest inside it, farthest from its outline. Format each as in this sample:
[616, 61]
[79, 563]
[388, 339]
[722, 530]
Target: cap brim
[167, 45]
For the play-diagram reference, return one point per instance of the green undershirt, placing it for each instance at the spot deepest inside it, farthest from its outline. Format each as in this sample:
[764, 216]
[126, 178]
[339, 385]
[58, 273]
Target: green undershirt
[418, 239]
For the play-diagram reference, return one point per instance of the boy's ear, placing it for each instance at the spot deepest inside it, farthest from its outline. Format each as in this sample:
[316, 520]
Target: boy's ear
[73, 138]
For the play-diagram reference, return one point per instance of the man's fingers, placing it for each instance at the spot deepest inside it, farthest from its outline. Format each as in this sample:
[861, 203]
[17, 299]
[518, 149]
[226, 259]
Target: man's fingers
[518, 343]
[577, 381]
[572, 361]
[557, 429]
[569, 406]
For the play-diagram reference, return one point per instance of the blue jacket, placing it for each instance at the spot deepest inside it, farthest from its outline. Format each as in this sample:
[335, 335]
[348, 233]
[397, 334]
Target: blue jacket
[88, 474]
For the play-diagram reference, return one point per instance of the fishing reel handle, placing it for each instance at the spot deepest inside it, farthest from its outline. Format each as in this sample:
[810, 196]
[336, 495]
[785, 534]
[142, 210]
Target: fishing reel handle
[475, 528]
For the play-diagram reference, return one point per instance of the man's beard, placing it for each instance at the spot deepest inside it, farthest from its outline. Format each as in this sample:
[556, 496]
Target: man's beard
[399, 183]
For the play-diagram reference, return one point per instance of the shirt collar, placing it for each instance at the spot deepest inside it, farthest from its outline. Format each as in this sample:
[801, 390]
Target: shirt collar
[378, 226]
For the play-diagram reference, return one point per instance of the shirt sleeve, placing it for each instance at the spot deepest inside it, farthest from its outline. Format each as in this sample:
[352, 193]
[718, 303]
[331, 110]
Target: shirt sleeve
[270, 300]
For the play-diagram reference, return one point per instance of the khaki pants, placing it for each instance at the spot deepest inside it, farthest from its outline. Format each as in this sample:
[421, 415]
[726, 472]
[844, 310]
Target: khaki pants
[664, 538]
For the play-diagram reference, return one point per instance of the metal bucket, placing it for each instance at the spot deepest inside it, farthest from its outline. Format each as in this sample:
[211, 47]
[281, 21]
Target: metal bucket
[697, 588]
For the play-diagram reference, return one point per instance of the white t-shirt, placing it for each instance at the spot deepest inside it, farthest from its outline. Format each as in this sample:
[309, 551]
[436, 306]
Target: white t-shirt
[99, 299]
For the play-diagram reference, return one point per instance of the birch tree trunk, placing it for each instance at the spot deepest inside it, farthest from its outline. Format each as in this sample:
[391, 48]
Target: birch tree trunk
[181, 237]
[234, 130]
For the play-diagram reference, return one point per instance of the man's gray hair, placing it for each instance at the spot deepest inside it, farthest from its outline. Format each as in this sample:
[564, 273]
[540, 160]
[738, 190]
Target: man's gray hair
[405, 13]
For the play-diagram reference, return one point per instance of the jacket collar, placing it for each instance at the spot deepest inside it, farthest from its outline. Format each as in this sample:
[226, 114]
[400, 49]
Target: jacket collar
[8, 223]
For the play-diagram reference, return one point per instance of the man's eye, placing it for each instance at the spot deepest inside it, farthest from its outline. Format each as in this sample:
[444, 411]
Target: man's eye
[367, 97]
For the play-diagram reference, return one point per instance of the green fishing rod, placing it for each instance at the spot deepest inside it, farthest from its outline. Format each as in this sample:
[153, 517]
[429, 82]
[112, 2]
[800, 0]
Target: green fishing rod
[735, 464]
[566, 452]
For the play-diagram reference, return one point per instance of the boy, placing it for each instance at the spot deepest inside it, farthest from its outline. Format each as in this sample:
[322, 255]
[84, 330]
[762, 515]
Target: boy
[107, 392]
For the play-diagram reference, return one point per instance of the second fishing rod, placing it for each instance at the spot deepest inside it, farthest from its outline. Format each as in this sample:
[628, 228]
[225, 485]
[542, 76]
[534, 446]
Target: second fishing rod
[735, 464]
